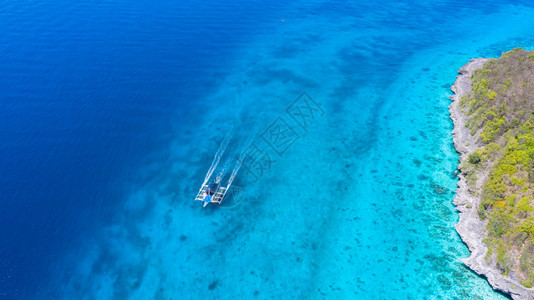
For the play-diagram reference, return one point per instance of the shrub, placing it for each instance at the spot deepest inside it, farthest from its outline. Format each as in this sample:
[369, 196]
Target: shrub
[528, 226]
[499, 223]
[474, 158]
[504, 263]
[527, 264]
[524, 205]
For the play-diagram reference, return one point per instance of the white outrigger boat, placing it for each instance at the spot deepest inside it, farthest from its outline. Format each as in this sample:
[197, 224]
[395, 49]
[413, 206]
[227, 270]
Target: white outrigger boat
[212, 193]
[212, 190]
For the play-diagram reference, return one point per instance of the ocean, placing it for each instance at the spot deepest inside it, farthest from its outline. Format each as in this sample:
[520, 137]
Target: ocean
[112, 112]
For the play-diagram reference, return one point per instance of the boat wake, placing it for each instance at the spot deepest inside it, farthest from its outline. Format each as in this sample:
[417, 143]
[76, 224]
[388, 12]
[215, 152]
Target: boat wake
[218, 155]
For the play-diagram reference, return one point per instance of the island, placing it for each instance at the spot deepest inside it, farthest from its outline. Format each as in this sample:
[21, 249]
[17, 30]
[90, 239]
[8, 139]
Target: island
[493, 113]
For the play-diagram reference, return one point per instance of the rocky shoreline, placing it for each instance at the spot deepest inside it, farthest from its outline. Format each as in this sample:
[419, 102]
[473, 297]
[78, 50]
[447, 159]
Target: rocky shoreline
[471, 229]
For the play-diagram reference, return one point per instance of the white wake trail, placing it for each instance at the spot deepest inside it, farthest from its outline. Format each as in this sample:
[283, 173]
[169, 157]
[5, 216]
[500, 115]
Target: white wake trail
[218, 155]
[241, 157]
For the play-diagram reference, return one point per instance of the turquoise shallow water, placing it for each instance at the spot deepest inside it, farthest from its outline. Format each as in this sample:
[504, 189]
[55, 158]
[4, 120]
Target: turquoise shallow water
[360, 206]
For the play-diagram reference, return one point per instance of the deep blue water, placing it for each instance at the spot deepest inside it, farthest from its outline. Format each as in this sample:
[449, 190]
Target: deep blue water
[87, 91]
[111, 112]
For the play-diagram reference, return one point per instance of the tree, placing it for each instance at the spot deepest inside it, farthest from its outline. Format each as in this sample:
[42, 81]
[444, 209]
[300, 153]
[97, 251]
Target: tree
[474, 158]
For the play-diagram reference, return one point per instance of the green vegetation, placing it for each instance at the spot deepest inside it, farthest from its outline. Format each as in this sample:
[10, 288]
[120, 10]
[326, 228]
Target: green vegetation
[474, 158]
[500, 111]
